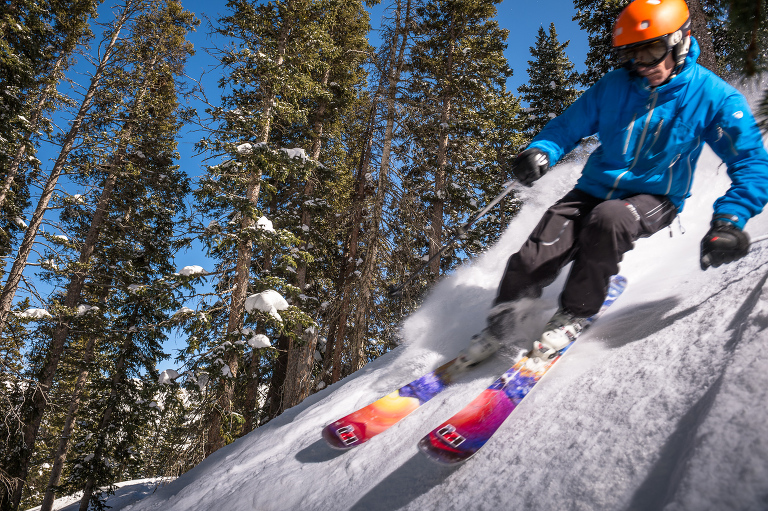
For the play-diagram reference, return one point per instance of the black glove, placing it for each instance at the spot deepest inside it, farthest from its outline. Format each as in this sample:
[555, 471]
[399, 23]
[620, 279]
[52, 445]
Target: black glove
[724, 243]
[530, 165]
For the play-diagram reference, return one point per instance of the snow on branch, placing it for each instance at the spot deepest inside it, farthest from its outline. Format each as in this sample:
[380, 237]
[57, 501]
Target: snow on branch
[269, 301]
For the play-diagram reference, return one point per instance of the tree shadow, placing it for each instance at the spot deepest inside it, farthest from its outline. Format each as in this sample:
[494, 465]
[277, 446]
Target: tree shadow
[640, 322]
[741, 319]
[414, 478]
[664, 478]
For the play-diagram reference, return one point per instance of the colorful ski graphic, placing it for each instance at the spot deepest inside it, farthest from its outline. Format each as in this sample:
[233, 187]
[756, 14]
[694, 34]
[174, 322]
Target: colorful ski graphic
[461, 436]
[360, 426]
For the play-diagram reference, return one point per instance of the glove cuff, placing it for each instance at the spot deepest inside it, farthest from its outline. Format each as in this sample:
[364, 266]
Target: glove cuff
[725, 219]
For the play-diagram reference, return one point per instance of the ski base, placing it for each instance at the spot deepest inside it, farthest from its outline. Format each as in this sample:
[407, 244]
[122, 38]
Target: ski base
[360, 426]
[460, 437]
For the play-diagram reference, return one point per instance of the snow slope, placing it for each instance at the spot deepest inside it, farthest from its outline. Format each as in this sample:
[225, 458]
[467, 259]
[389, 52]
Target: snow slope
[660, 406]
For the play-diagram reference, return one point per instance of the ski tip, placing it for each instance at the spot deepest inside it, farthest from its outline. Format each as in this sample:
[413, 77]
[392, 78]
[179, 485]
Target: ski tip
[431, 448]
[336, 438]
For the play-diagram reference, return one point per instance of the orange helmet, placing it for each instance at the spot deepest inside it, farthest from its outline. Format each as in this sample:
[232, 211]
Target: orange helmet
[648, 24]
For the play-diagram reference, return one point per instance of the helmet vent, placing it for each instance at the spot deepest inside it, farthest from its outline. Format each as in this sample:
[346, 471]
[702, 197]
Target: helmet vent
[645, 24]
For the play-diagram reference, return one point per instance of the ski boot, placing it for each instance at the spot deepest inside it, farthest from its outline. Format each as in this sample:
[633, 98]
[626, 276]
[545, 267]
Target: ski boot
[500, 321]
[481, 346]
[563, 328]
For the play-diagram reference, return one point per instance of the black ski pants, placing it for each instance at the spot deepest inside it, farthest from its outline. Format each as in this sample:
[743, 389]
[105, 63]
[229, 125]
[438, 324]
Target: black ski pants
[594, 234]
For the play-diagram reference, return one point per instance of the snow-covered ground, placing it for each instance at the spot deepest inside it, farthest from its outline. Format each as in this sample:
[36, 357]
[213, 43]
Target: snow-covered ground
[126, 493]
[661, 406]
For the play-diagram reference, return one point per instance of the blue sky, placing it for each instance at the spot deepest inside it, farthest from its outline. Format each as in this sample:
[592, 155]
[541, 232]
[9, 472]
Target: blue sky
[524, 17]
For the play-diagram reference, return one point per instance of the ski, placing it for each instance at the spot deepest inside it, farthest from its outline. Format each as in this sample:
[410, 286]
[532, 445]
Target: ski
[360, 426]
[461, 436]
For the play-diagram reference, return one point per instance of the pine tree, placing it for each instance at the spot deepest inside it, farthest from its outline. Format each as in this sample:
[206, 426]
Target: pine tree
[27, 35]
[324, 194]
[13, 343]
[18, 465]
[551, 86]
[354, 317]
[740, 33]
[40, 43]
[597, 17]
[700, 30]
[132, 262]
[457, 70]
[67, 143]
[125, 113]
[37, 40]
[270, 76]
[502, 134]
[136, 257]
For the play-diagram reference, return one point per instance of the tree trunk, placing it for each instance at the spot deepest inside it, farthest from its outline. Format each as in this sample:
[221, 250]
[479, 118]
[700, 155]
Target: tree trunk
[435, 240]
[61, 331]
[392, 80]
[280, 369]
[117, 378]
[14, 277]
[60, 455]
[338, 331]
[218, 418]
[252, 392]
[39, 397]
[301, 358]
[254, 375]
[298, 378]
[34, 120]
[753, 50]
[215, 440]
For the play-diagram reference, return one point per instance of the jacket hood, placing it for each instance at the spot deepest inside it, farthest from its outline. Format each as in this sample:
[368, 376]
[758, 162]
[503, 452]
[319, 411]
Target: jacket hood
[693, 52]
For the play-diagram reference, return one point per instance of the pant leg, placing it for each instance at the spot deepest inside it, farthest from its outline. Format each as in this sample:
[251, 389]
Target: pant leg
[609, 231]
[550, 246]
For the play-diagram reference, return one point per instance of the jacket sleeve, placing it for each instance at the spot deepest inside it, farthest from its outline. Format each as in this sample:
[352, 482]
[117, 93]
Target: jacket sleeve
[580, 120]
[735, 138]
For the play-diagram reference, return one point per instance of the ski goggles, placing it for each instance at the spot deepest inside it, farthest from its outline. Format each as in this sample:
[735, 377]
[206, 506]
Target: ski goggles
[645, 54]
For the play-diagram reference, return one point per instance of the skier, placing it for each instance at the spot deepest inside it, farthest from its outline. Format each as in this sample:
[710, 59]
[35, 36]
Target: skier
[653, 116]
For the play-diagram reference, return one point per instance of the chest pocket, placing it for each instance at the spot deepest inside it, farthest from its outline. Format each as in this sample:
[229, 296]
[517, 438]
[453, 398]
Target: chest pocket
[669, 136]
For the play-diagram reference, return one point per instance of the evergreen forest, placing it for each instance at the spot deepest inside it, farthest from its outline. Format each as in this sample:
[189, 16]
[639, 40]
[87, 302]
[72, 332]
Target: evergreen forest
[345, 170]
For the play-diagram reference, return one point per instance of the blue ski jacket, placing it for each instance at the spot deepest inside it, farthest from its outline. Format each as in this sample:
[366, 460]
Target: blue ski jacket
[651, 138]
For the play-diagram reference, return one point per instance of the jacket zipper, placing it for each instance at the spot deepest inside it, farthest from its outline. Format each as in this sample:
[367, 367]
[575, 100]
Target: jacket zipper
[655, 136]
[690, 168]
[629, 133]
[671, 173]
[654, 96]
